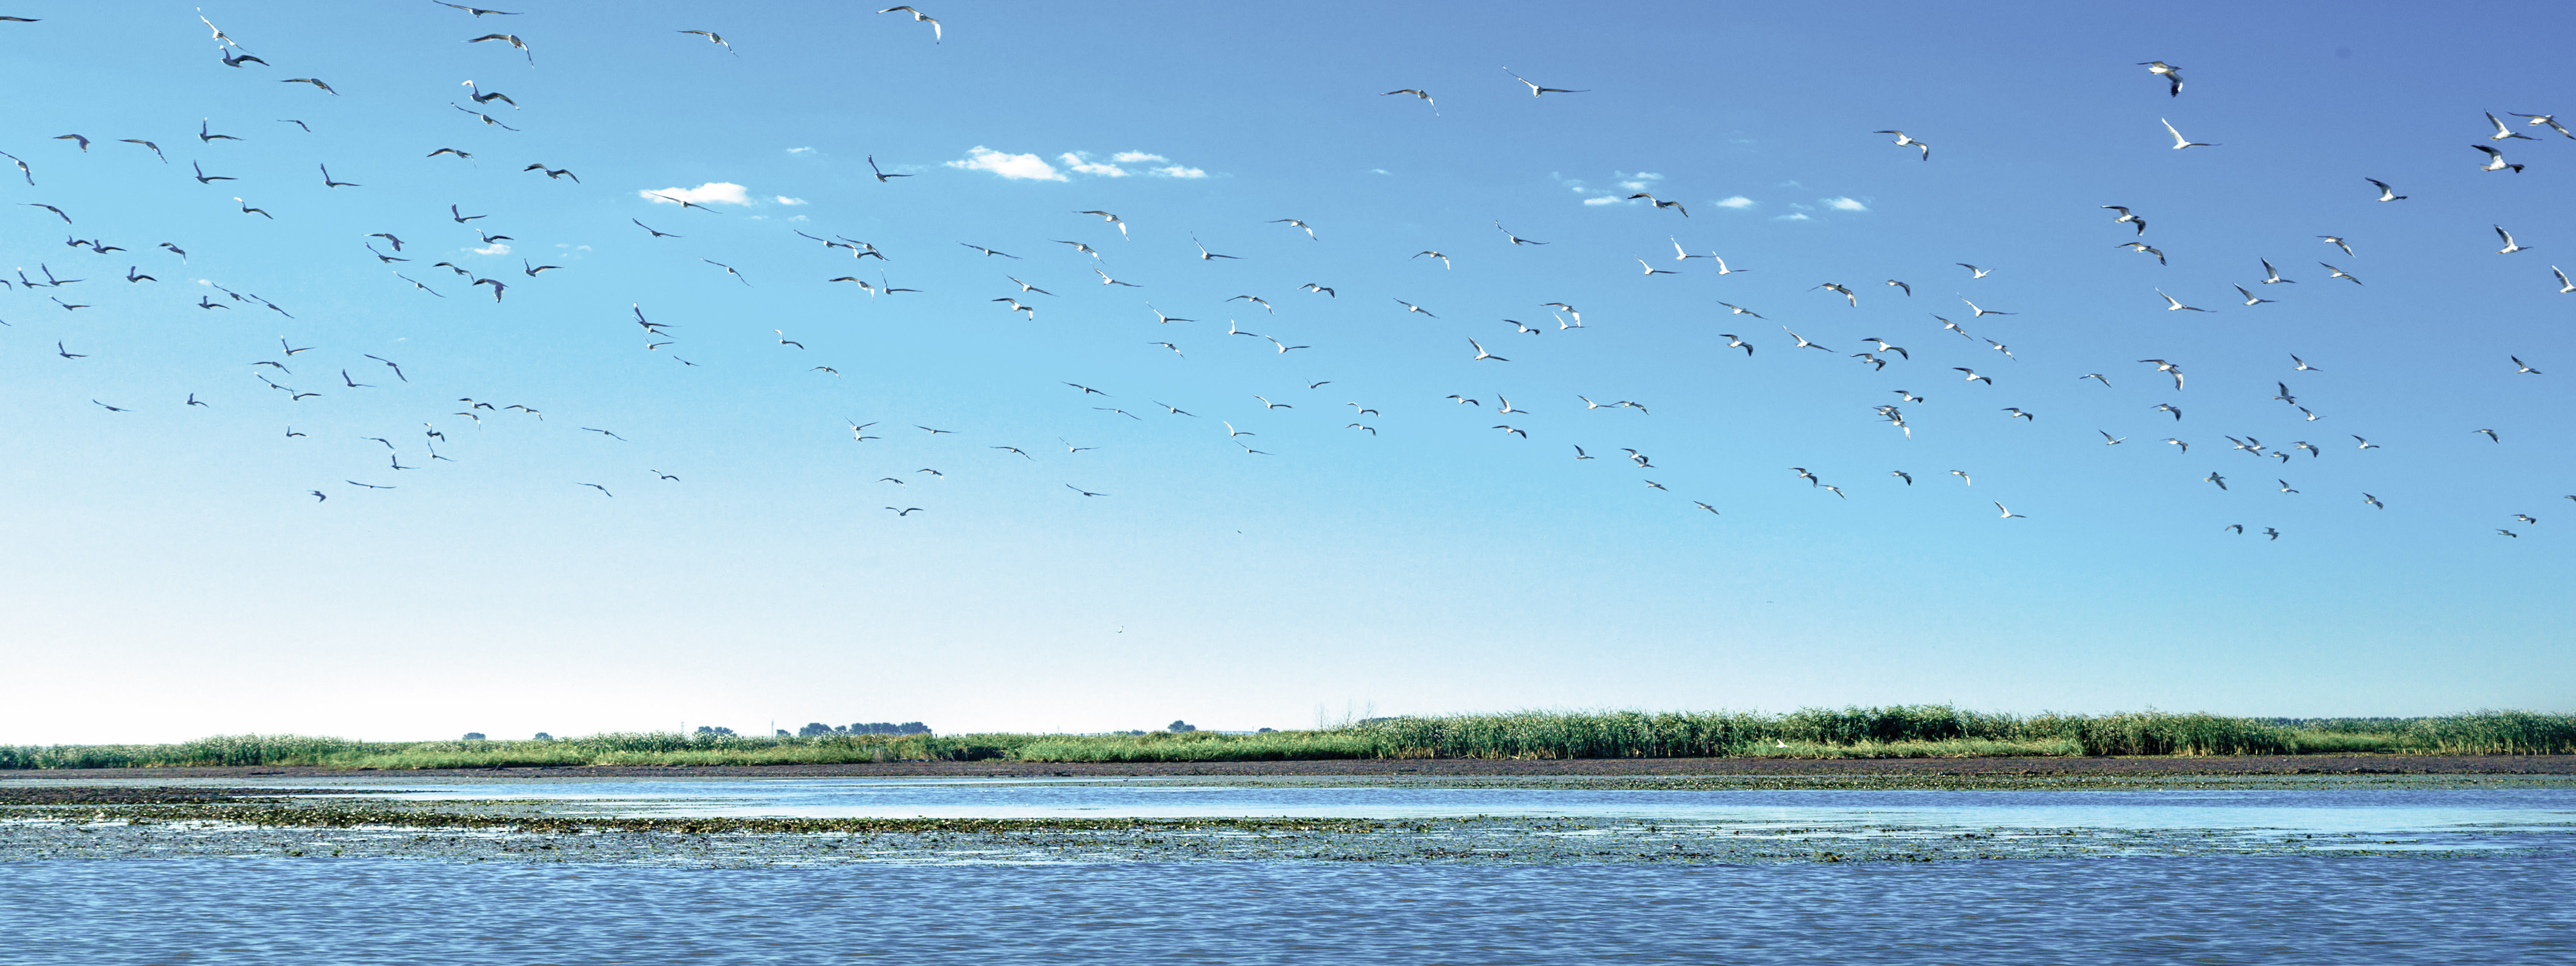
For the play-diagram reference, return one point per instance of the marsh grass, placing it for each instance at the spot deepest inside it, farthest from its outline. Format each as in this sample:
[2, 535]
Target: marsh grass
[1902, 731]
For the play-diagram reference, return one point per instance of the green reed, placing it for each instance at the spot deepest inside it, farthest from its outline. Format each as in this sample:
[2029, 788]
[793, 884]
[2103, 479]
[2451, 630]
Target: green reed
[1900, 731]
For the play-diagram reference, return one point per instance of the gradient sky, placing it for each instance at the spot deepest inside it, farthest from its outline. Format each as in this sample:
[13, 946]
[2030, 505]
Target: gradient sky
[167, 575]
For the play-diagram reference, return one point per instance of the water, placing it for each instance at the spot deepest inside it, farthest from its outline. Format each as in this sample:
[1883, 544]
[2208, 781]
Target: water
[2296, 872]
[2222, 910]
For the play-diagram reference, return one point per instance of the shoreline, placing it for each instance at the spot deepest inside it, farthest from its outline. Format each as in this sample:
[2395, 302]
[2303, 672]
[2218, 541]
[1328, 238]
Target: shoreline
[2106, 767]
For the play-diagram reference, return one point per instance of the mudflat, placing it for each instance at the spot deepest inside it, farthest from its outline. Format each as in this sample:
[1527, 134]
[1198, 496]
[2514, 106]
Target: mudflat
[2105, 767]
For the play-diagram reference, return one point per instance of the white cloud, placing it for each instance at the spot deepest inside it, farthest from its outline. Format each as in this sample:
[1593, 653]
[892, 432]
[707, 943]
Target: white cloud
[1738, 202]
[1080, 162]
[1176, 171]
[1791, 218]
[1845, 204]
[1602, 200]
[496, 248]
[1018, 167]
[1380, 171]
[712, 192]
[800, 150]
[1131, 157]
[785, 200]
[1639, 181]
[799, 218]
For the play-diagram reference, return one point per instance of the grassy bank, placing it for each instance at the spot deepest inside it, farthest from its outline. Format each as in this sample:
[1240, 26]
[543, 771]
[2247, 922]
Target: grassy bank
[1909, 731]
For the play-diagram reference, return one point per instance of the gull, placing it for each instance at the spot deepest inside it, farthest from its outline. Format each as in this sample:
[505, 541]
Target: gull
[2302, 365]
[918, 17]
[2143, 247]
[1524, 329]
[1638, 458]
[1108, 409]
[1679, 253]
[1267, 404]
[1704, 506]
[1086, 390]
[248, 210]
[1721, 265]
[497, 287]
[1426, 98]
[2503, 132]
[1838, 491]
[2525, 517]
[1070, 448]
[1507, 431]
[1902, 140]
[1980, 313]
[2016, 411]
[1205, 255]
[1518, 240]
[67, 354]
[1807, 476]
[2181, 142]
[84, 142]
[872, 289]
[1106, 280]
[717, 39]
[2500, 530]
[2495, 160]
[1906, 396]
[1660, 203]
[988, 253]
[784, 340]
[22, 166]
[2170, 408]
[826, 369]
[2186, 447]
[1082, 491]
[2110, 440]
[2490, 434]
[1444, 259]
[398, 373]
[2564, 286]
[1975, 273]
[1579, 454]
[1870, 359]
[1999, 347]
[2385, 192]
[1909, 290]
[1569, 310]
[2008, 514]
[1536, 90]
[1973, 376]
[1846, 293]
[2172, 75]
[1175, 411]
[513, 40]
[315, 81]
[133, 275]
[1017, 307]
[2522, 368]
[1481, 354]
[2284, 393]
[478, 13]
[1296, 223]
[2127, 218]
[2272, 276]
[1159, 317]
[1318, 289]
[931, 431]
[1737, 342]
[1016, 451]
[2213, 477]
[1410, 307]
[2548, 119]
[2338, 242]
[2096, 377]
[1902, 475]
[532, 270]
[202, 178]
[906, 511]
[460, 217]
[1110, 218]
[2313, 451]
[236, 60]
[2249, 296]
[2171, 370]
[682, 202]
[1026, 287]
[1284, 347]
[1802, 341]
[2340, 273]
[328, 183]
[1080, 247]
[370, 486]
[2272, 533]
[657, 233]
[1357, 410]
[1231, 432]
[1734, 309]
[1233, 327]
[2174, 306]
[2509, 246]
[1652, 270]
[1507, 405]
[482, 97]
[156, 149]
[2285, 486]
[553, 174]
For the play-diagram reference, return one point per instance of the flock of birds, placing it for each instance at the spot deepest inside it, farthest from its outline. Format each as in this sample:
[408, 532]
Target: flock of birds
[281, 374]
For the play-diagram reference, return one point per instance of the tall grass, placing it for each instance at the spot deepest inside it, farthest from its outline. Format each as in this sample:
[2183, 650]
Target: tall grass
[1902, 731]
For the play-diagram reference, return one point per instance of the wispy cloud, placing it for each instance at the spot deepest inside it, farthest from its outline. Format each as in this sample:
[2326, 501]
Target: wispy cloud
[1177, 171]
[800, 150]
[496, 248]
[1738, 202]
[1844, 204]
[1792, 217]
[1640, 181]
[1017, 167]
[710, 193]
[785, 200]
[1602, 200]
[1080, 163]
[1133, 157]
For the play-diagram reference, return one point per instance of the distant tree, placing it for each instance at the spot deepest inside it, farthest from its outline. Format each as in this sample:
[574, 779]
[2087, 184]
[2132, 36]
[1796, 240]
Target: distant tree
[1180, 727]
[888, 728]
[542, 736]
[473, 736]
[714, 732]
[1265, 731]
[782, 732]
[815, 729]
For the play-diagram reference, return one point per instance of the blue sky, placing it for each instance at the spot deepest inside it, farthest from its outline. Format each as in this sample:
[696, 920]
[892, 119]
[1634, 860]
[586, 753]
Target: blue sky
[170, 577]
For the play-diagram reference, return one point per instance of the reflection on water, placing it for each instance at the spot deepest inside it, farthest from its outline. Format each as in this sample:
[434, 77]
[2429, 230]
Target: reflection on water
[2204, 910]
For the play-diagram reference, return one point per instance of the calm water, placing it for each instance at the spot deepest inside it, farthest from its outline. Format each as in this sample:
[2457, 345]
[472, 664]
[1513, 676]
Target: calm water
[2492, 889]
[2209, 910]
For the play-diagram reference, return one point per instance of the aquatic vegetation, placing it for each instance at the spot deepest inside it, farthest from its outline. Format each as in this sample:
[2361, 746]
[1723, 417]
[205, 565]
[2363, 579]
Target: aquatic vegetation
[1901, 731]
